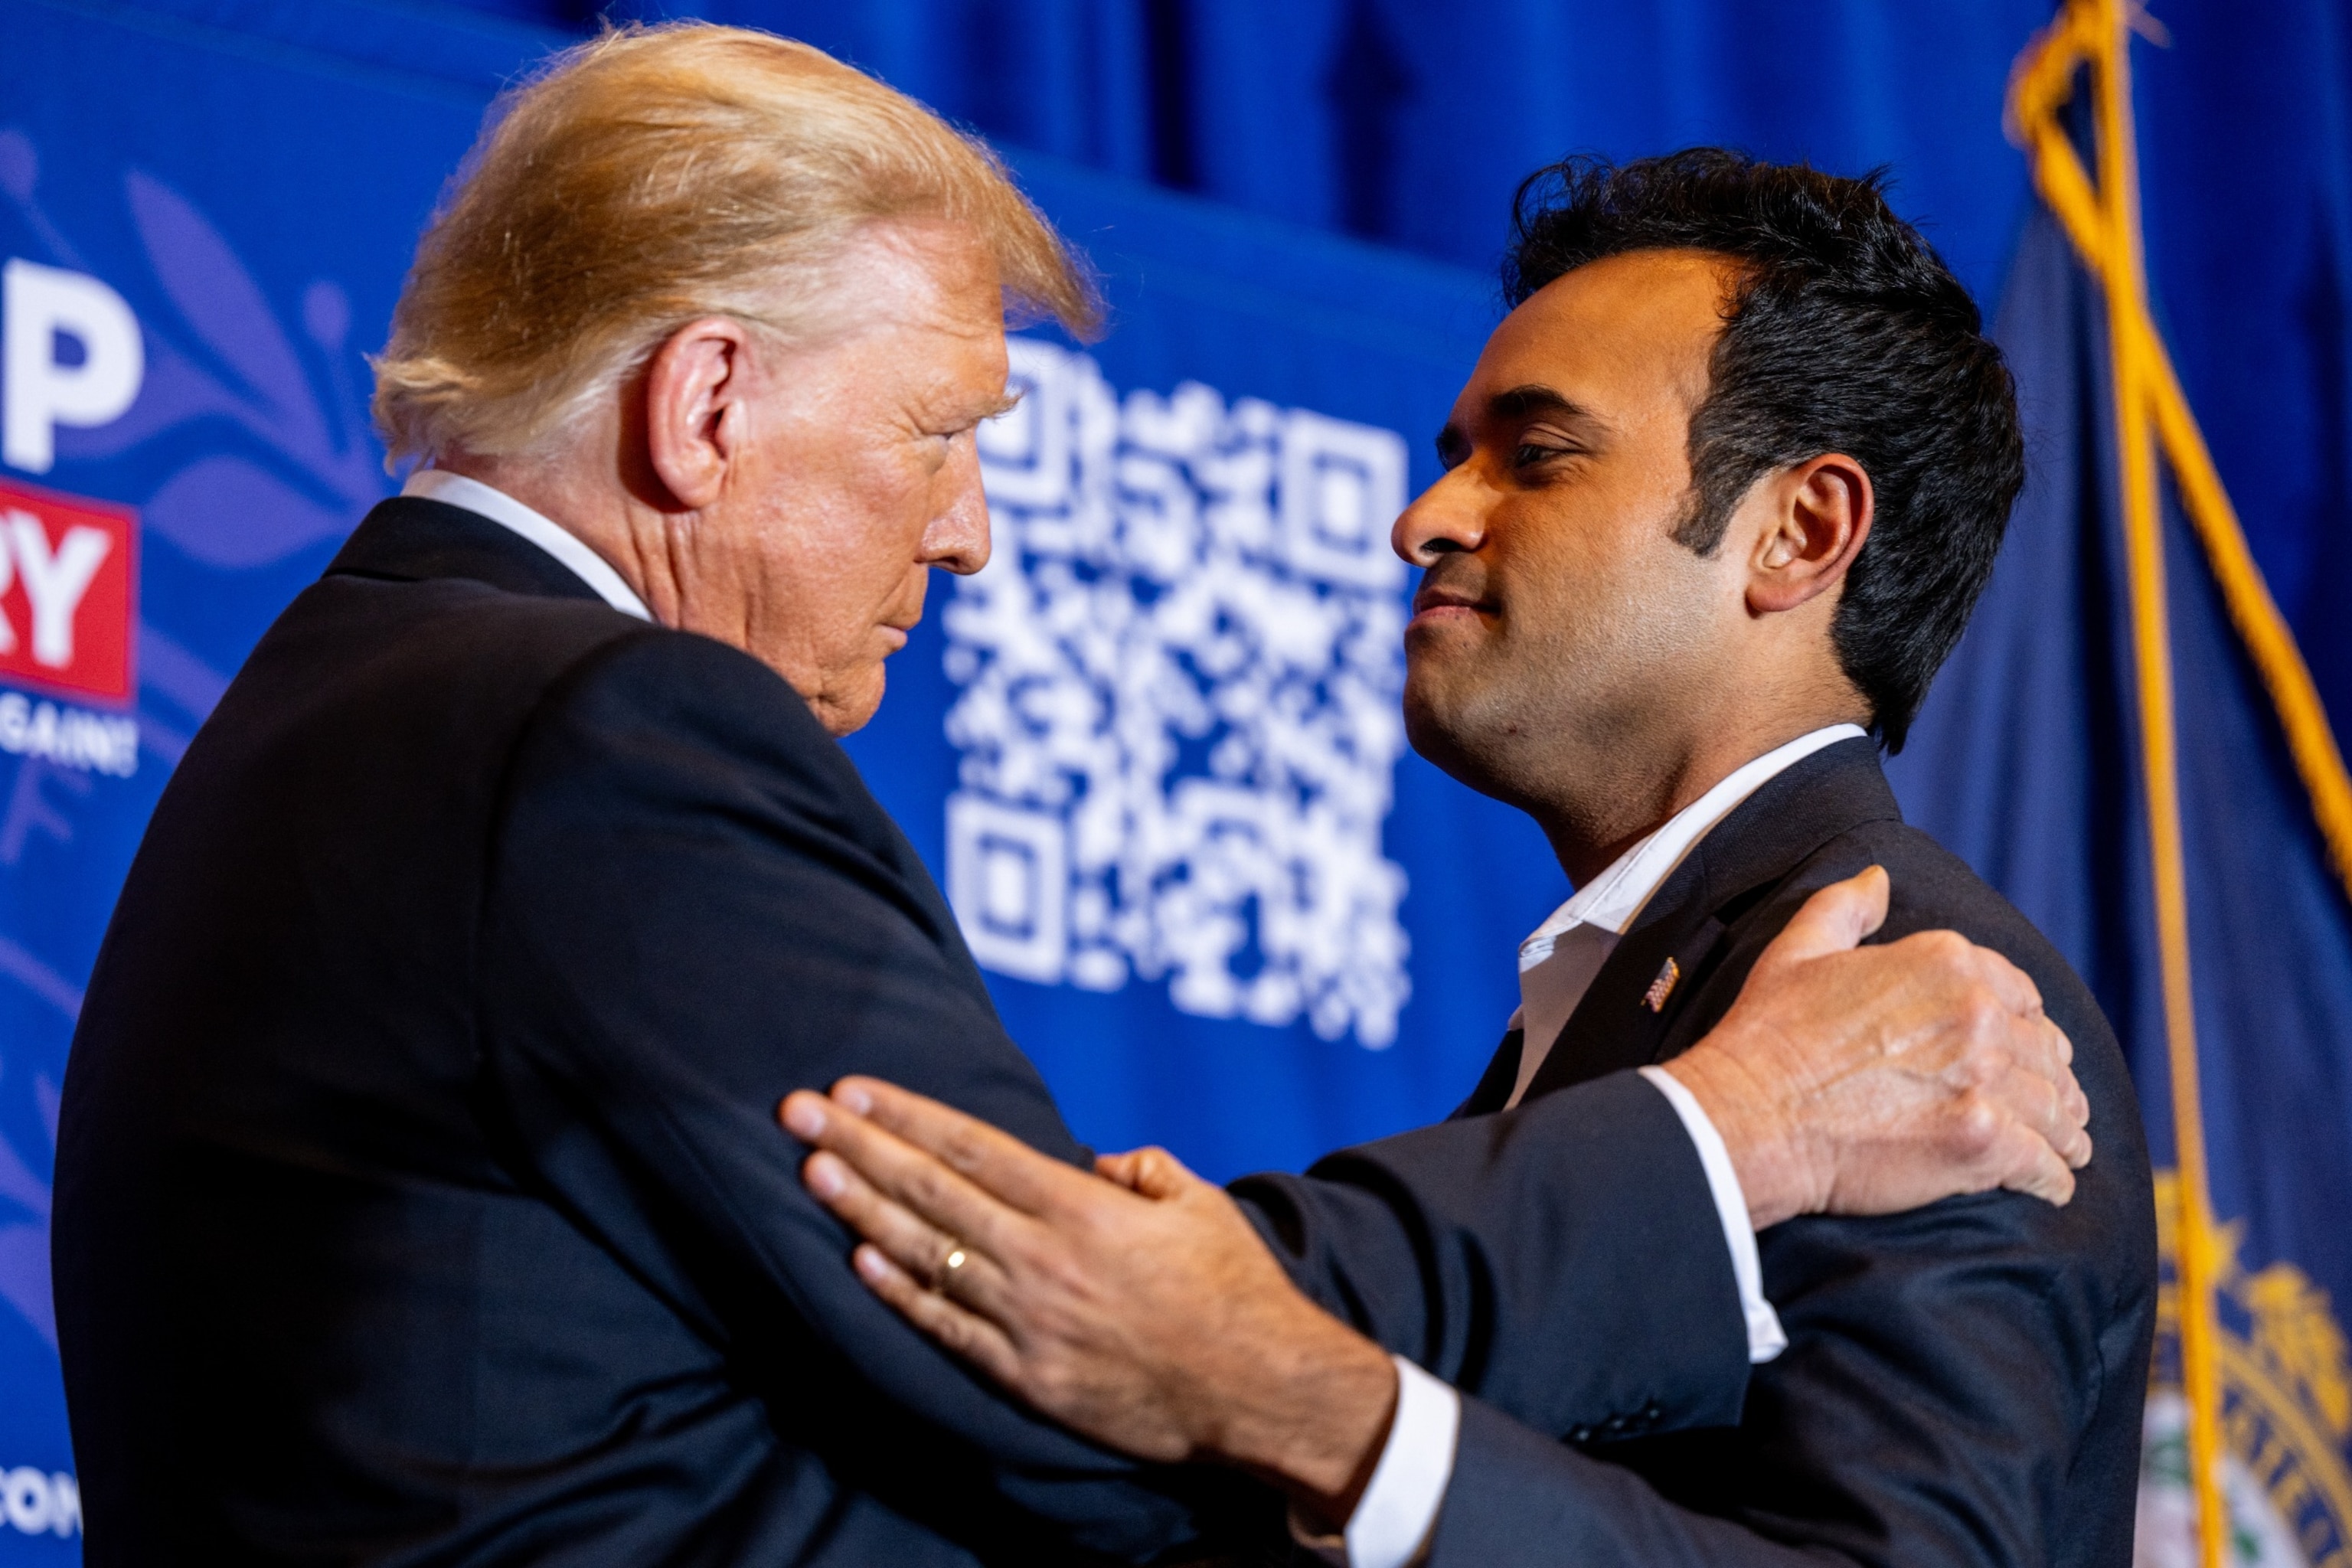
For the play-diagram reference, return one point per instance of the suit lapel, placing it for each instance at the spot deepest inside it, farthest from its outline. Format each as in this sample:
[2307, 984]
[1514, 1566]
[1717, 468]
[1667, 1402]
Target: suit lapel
[1502, 1075]
[1616, 1025]
[1613, 1026]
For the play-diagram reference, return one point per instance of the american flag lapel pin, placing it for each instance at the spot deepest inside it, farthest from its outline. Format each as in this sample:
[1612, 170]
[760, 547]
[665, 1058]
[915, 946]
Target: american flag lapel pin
[1654, 998]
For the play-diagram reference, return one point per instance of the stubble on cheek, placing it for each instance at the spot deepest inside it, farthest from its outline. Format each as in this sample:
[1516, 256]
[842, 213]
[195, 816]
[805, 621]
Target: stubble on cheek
[1453, 675]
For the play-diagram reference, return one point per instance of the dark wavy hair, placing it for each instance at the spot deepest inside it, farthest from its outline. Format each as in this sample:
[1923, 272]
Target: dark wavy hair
[1845, 333]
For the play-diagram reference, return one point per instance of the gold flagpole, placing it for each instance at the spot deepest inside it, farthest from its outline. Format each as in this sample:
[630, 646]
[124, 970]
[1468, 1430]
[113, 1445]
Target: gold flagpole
[2153, 420]
[2152, 654]
[2104, 223]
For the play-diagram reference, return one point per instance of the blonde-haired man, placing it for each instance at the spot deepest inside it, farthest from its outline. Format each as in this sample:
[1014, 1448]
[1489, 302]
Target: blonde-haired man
[419, 1194]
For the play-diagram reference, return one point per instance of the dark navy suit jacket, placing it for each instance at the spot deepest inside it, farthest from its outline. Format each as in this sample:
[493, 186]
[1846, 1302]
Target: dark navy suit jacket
[419, 1195]
[1963, 1384]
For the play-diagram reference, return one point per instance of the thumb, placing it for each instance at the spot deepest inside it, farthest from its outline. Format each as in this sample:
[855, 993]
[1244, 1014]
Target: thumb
[1119, 1168]
[1153, 1173]
[1834, 920]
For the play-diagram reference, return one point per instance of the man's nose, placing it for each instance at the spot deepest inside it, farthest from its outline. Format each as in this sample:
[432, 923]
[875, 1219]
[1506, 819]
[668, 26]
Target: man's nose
[957, 536]
[1447, 516]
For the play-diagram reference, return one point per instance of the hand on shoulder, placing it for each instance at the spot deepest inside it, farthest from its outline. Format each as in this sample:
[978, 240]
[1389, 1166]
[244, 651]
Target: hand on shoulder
[1862, 1080]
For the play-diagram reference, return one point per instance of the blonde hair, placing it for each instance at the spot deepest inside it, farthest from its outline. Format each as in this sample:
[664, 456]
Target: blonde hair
[658, 174]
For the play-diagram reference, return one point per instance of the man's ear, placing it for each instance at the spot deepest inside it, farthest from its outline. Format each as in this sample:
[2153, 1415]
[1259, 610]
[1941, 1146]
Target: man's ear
[694, 390]
[1821, 515]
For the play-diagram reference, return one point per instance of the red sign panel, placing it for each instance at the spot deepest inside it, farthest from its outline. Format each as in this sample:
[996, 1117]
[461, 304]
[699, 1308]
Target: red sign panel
[69, 588]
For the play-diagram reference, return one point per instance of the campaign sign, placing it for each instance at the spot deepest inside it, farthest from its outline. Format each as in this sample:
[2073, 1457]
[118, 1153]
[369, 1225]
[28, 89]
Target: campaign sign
[68, 576]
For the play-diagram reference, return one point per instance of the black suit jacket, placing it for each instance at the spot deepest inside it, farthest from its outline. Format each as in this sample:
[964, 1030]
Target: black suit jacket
[419, 1195]
[1963, 1384]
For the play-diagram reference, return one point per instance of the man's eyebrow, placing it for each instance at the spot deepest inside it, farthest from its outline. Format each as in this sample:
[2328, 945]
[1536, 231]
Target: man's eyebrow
[1509, 407]
[1521, 402]
[1004, 404]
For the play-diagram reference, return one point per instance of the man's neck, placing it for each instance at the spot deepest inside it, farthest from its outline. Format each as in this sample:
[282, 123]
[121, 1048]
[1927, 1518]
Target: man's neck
[588, 512]
[1615, 807]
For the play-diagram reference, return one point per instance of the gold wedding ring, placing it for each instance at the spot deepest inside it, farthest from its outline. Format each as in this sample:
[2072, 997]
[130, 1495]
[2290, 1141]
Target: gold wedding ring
[955, 1259]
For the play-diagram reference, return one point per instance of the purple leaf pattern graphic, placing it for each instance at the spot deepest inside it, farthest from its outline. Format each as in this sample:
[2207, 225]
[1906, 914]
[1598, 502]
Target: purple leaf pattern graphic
[222, 306]
[266, 406]
[275, 519]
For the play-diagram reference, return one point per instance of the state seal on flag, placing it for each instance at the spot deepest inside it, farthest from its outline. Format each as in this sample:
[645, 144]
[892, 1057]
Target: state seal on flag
[2286, 1416]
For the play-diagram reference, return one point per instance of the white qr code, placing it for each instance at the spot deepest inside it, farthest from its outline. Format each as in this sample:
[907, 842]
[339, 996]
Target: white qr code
[1178, 723]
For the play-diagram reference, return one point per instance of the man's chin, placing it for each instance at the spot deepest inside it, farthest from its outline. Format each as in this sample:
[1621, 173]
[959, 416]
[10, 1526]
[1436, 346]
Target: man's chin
[1429, 725]
[1456, 741]
[846, 707]
[852, 717]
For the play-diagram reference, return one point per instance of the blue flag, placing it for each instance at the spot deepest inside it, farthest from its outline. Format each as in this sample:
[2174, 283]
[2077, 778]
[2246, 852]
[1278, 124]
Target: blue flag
[2026, 762]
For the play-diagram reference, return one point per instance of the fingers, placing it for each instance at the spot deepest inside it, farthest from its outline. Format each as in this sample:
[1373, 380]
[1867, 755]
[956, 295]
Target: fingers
[1992, 1136]
[2078, 1111]
[2040, 1087]
[922, 1249]
[993, 1161]
[2024, 1060]
[2074, 1105]
[2041, 1045]
[908, 1176]
[961, 1331]
[2012, 985]
[2026, 1163]
[2009, 1043]
[2053, 1111]
[2015, 1066]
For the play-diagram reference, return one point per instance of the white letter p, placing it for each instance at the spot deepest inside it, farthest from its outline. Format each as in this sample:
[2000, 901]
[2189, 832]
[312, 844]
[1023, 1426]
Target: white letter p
[40, 394]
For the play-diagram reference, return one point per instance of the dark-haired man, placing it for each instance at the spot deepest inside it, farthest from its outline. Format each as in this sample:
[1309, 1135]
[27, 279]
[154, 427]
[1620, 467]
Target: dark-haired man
[1719, 497]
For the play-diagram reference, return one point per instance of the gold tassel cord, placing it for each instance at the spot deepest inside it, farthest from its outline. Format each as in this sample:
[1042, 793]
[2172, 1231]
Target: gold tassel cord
[2310, 739]
[2042, 84]
[2152, 419]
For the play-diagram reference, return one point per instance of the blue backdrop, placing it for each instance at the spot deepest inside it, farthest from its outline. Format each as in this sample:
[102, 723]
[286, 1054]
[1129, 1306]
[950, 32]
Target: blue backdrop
[1152, 753]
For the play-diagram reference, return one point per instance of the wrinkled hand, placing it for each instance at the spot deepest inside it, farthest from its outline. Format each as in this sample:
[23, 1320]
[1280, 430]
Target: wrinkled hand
[1136, 1305]
[1865, 1081]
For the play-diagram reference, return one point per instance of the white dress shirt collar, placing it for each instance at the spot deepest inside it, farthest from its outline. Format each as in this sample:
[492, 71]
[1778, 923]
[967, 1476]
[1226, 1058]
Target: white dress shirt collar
[484, 501]
[1615, 898]
[1560, 959]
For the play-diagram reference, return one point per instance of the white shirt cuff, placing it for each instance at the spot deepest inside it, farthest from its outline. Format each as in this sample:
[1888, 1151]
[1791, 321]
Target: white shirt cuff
[1398, 1512]
[1765, 1337]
